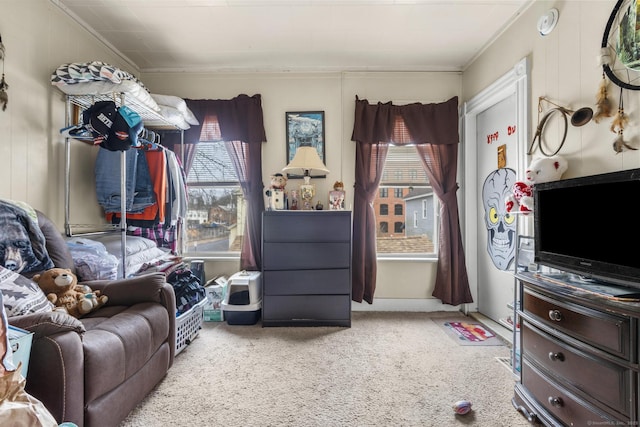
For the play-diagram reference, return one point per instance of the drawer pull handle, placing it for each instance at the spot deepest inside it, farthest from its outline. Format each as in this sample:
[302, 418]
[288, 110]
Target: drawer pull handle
[556, 357]
[555, 315]
[531, 416]
[555, 402]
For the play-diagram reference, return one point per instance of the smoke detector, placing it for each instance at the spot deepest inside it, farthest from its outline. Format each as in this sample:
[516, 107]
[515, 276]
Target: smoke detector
[548, 21]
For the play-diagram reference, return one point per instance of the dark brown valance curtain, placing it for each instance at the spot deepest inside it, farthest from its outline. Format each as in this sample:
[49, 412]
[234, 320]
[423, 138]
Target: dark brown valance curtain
[239, 123]
[433, 128]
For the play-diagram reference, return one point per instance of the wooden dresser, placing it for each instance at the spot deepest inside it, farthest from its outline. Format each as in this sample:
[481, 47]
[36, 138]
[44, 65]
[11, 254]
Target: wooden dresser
[306, 268]
[579, 363]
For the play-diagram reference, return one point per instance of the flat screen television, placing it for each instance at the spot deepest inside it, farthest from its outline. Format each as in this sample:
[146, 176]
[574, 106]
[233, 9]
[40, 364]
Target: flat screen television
[589, 226]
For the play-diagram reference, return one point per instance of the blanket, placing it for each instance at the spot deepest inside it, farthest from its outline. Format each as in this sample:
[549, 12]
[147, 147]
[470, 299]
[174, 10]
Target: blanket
[22, 244]
[83, 72]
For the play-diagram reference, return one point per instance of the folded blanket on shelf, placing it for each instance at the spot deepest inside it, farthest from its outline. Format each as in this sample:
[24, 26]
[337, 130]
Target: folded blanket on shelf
[82, 72]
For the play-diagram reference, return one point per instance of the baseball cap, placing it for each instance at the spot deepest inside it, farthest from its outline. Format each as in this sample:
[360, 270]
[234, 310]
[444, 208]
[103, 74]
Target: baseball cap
[99, 118]
[124, 132]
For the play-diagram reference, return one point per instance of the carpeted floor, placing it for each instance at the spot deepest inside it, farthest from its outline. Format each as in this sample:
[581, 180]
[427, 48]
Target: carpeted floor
[388, 369]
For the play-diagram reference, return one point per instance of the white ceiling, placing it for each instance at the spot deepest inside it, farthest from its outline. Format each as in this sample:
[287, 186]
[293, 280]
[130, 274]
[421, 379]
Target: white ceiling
[296, 35]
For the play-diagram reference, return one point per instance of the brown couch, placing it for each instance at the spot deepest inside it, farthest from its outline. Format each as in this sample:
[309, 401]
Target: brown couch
[93, 371]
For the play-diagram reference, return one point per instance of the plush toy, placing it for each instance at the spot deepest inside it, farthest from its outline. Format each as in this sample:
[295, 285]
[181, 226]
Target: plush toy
[276, 192]
[278, 181]
[338, 186]
[61, 287]
[543, 169]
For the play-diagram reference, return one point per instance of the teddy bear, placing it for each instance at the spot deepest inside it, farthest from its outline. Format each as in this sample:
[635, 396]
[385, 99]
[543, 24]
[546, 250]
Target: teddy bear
[542, 169]
[61, 287]
[276, 191]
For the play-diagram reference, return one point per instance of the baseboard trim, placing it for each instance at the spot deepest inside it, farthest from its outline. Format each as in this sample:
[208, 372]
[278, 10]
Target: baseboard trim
[401, 304]
[505, 334]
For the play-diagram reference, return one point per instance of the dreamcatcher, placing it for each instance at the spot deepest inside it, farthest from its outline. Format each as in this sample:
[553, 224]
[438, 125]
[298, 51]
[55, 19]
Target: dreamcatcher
[620, 120]
[620, 60]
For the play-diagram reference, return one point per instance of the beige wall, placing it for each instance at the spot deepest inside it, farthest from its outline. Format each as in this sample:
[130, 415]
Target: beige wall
[38, 38]
[564, 68]
[408, 283]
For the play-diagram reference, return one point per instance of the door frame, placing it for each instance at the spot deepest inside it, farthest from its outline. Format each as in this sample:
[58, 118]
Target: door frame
[513, 83]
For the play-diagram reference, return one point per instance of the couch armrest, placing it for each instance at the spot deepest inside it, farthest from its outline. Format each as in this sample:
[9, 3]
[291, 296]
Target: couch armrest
[132, 290]
[152, 287]
[47, 324]
[56, 363]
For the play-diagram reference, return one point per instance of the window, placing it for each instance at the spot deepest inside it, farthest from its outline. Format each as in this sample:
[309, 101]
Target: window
[384, 227]
[413, 203]
[215, 214]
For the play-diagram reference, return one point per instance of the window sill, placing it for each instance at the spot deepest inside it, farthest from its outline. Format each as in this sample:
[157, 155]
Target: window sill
[212, 256]
[385, 257]
[408, 257]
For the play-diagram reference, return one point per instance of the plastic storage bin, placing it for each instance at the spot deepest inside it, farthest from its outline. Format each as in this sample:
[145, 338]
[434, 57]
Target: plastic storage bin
[188, 325]
[20, 341]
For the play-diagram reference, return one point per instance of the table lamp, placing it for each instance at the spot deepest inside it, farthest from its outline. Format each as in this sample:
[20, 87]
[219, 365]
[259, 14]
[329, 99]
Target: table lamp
[306, 159]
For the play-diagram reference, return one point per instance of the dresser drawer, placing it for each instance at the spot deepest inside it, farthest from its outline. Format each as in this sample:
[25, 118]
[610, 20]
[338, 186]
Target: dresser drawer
[292, 226]
[307, 282]
[296, 256]
[306, 307]
[607, 332]
[607, 382]
[563, 405]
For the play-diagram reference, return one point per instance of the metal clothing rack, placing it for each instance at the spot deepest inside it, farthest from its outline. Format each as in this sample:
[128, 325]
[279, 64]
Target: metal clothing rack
[151, 120]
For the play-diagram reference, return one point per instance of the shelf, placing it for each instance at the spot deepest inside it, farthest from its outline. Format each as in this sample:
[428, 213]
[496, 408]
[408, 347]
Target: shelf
[149, 117]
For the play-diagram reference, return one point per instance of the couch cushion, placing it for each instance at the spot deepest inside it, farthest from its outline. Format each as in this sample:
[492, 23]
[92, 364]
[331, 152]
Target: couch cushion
[56, 246]
[119, 341]
[21, 295]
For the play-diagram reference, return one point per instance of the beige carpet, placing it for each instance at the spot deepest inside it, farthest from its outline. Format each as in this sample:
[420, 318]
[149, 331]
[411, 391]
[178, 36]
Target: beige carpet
[388, 369]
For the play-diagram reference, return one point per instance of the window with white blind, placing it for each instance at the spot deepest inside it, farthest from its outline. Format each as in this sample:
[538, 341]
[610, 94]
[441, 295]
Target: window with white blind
[216, 211]
[405, 187]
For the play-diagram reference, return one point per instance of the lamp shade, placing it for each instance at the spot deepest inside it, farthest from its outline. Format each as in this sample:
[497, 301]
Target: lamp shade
[306, 159]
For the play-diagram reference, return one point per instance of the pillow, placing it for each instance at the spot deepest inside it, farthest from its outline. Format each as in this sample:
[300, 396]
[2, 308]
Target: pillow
[22, 244]
[135, 244]
[174, 116]
[177, 103]
[136, 261]
[92, 260]
[22, 296]
[140, 251]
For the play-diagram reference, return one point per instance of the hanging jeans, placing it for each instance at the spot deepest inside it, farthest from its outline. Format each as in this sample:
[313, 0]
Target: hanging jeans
[139, 187]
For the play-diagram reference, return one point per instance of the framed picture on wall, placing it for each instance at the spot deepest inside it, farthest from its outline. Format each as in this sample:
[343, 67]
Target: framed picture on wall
[305, 127]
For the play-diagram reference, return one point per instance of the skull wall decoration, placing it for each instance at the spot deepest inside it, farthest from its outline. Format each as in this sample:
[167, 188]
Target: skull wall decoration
[501, 225]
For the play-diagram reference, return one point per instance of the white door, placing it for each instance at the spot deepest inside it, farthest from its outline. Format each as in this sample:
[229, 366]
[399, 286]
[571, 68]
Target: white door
[495, 137]
[495, 141]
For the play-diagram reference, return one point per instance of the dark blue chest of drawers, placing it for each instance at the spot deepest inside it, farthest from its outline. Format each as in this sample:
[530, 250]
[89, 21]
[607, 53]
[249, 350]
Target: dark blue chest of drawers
[306, 268]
